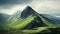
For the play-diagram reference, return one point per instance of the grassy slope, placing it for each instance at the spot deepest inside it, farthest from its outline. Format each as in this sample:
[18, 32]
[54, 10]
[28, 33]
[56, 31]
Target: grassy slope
[19, 24]
[39, 29]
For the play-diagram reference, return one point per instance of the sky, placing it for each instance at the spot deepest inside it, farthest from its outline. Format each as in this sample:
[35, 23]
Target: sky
[40, 6]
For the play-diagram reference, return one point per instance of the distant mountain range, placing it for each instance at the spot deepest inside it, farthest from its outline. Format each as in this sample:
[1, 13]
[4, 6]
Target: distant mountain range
[3, 17]
[3, 20]
[28, 19]
[53, 18]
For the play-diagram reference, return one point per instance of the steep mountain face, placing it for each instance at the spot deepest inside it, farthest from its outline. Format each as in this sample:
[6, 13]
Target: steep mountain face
[37, 22]
[27, 11]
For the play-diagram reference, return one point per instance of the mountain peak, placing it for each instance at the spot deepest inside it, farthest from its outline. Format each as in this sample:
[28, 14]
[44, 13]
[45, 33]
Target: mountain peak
[27, 11]
[28, 7]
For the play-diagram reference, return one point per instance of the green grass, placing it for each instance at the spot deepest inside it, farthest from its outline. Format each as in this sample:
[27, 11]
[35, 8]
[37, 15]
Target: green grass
[36, 30]
[21, 23]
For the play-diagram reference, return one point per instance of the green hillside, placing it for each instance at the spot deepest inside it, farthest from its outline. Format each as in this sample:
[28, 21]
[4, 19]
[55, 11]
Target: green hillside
[17, 24]
[20, 23]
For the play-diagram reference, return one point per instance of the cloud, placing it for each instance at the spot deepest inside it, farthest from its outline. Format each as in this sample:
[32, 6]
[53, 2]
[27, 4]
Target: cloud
[2, 2]
[11, 6]
[6, 4]
[47, 6]
[13, 9]
[41, 6]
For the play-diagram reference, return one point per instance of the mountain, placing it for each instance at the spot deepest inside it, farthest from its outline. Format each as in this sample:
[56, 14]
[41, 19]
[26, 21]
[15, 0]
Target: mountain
[29, 19]
[26, 14]
[36, 22]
